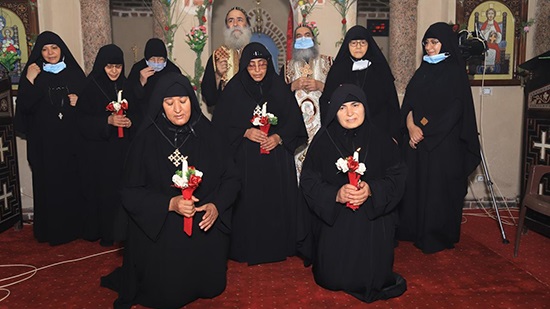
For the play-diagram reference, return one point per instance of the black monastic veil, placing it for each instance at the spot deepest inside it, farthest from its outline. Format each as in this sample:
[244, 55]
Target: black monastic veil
[103, 152]
[264, 216]
[44, 115]
[439, 96]
[163, 267]
[352, 251]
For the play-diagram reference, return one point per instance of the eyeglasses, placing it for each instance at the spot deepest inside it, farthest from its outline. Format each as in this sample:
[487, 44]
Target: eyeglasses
[361, 43]
[261, 65]
[115, 66]
[430, 41]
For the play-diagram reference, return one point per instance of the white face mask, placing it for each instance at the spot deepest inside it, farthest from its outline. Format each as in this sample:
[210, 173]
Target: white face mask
[359, 65]
[54, 68]
[304, 43]
[157, 67]
[435, 58]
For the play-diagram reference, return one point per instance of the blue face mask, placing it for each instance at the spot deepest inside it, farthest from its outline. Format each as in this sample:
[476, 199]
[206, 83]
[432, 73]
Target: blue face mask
[304, 43]
[157, 67]
[54, 68]
[436, 58]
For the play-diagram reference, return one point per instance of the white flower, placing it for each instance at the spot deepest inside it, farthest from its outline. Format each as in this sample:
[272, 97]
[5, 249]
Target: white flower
[198, 173]
[179, 181]
[256, 121]
[342, 165]
[116, 106]
[361, 169]
[270, 115]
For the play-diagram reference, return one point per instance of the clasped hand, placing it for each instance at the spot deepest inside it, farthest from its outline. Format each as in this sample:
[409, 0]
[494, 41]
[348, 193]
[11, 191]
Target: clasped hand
[306, 83]
[353, 195]
[187, 209]
[266, 142]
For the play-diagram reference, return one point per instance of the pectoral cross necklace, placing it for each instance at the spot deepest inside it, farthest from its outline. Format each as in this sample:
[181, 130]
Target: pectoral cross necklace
[175, 157]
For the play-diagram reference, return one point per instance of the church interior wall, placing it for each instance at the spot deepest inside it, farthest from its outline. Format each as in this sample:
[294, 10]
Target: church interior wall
[499, 114]
[131, 34]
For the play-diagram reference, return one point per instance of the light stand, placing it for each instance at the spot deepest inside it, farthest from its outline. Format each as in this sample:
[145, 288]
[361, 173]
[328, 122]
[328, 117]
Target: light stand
[489, 184]
[488, 181]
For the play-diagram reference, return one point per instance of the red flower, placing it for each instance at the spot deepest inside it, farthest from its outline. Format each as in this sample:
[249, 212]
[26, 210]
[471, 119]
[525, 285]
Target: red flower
[203, 19]
[166, 28]
[352, 164]
[194, 181]
[264, 121]
[194, 87]
[124, 105]
[110, 107]
[344, 21]
[456, 27]
[11, 48]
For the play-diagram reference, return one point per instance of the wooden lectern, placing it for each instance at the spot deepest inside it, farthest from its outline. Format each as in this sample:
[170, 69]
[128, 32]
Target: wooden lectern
[10, 197]
[536, 131]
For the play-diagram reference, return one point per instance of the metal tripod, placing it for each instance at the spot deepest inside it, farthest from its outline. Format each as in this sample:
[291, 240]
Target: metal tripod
[489, 184]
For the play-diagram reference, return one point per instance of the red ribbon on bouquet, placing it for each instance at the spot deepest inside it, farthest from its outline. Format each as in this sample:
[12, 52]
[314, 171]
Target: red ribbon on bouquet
[188, 221]
[264, 128]
[354, 181]
[187, 193]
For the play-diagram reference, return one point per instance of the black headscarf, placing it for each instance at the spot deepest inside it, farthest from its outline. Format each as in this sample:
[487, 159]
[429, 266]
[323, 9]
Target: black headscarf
[155, 48]
[449, 41]
[108, 54]
[346, 140]
[373, 54]
[45, 38]
[172, 84]
[72, 77]
[376, 81]
[136, 93]
[257, 90]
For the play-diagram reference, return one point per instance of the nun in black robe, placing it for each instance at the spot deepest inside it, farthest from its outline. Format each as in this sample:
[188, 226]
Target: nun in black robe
[264, 215]
[46, 116]
[439, 101]
[353, 251]
[103, 151]
[138, 94]
[163, 267]
[376, 80]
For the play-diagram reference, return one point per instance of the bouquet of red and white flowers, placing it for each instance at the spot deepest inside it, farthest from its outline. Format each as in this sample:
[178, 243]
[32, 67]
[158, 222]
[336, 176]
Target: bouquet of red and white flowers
[187, 179]
[118, 108]
[264, 120]
[354, 169]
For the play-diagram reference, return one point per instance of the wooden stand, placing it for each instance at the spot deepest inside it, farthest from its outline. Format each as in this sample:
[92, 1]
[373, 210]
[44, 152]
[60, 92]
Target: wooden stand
[536, 134]
[10, 197]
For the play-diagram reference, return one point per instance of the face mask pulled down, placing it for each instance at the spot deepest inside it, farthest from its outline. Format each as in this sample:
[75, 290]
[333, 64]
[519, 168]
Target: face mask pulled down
[54, 68]
[435, 58]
